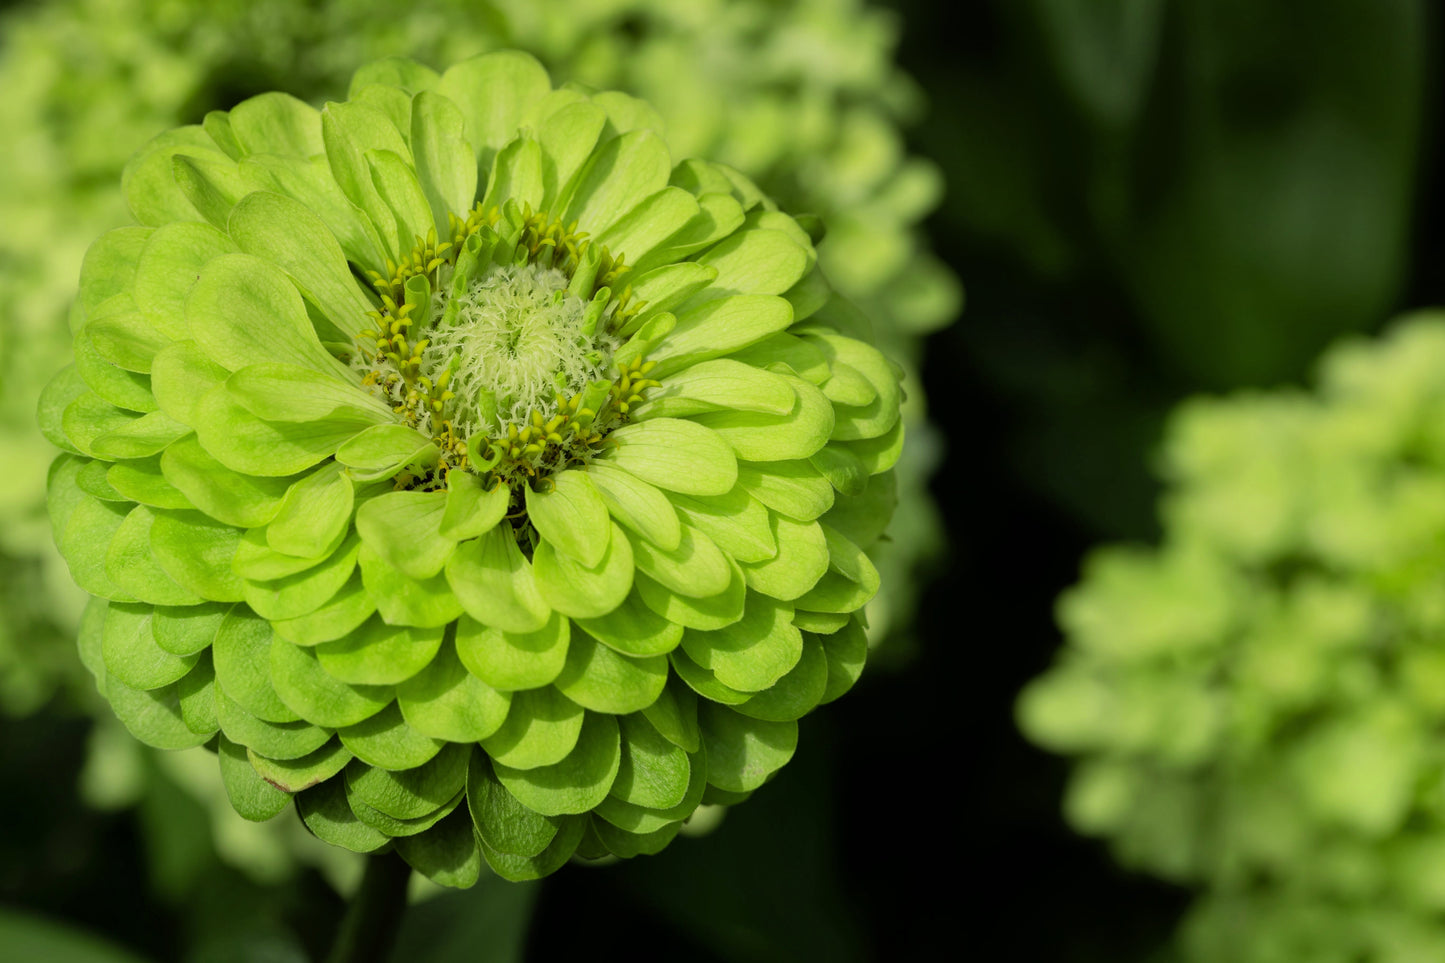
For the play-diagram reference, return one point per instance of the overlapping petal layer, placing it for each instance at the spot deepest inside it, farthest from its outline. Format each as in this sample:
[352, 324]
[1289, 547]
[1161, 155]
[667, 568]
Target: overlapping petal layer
[442, 605]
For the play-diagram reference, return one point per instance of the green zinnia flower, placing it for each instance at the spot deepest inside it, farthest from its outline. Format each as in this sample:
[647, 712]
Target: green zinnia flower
[454, 461]
[1255, 703]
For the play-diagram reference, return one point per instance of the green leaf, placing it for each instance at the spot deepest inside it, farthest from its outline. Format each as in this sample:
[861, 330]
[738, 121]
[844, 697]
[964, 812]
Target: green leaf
[621, 173]
[753, 653]
[541, 729]
[250, 795]
[384, 450]
[27, 936]
[801, 561]
[403, 528]
[578, 782]
[502, 822]
[470, 511]
[275, 740]
[673, 454]
[196, 551]
[188, 629]
[385, 740]
[315, 695]
[445, 163]
[379, 654]
[445, 701]
[581, 591]
[130, 563]
[637, 505]
[494, 583]
[131, 653]
[244, 310]
[718, 328]
[634, 629]
[314, 514]
[514, 660]
[424, 603]
[796, 693]
[181, 375]
[743, 753]
[326, 813]
[572, 516]
[245, 501]
[447, 854]
[296, 775]
[242, 654]
[493, 91]
[597, 678]
[653, 773]
[290, 234]
[296, 595]
[169, 263]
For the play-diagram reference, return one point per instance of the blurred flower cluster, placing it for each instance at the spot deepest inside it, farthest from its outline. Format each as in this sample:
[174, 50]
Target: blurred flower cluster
[1254, 702]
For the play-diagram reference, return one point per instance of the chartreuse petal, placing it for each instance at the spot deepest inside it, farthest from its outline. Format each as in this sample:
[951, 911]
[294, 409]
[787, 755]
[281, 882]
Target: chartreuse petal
[447, 854]
[743, 753]
[718, 328]
[411, 793]
[521, 868]
[291, 393]
[597, 678]
[633, 629]
[257, 561]
[621, 173]
[290, 234]
[59, 393]
[250, 795]
[801, 561]
[850, 582]
[244, 310]
[703, 682]
[425, 603]
[90, 640]
[140, 480]
[792, 488]
[572, 516]
[241, 652]
[494, 583]
[129, 390]
[445, 701]
[516, 175]
[110, 262]
[275, 740]
[674, 715]
[846, 651]
[395, 182]
[310, 182]
[196, 552]
[153, 716]
[493, 92]
[757, 436]
[181, 375]
[149, 183]
[718, 216]
[379, 654]
[504, 824]
[581, 591]
[696, 568]
[88, 417]
[652, 221]
[471, 511]
[796, 693]
[567, 135]
[169, 264]
[844, 470]
[326, 813]
[349, 131]
[754, 652]
[880, 412]
[383, 451]
[756, 261]
[196, 692]
[620, 842]
[819, 623]
[677, 455]
[314, 512]
[93, 479]
[131, 653]
[712, 612]
[446, 165]
[130, 563]
[653, 773]
[91, 524]
[738, 523]
[211, 182]
[346, 610]
[718, 384]
[296, 775]
[877, 455]
[541, 729]
[188, 629]
[385, 740]
[403, 528]
[305, 592]
[308, 690]
[237, 499]
[514, 660]
[785, 354]
[637, 505]
[579, 781]
[242, 442]
[139, 438]
[277, 123]
[397, 828]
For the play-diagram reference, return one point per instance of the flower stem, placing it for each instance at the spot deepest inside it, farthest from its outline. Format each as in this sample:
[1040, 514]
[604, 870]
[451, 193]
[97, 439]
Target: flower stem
[371, 923]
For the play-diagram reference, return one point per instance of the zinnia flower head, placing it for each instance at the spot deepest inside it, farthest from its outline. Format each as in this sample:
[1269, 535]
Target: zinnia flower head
[455, 462]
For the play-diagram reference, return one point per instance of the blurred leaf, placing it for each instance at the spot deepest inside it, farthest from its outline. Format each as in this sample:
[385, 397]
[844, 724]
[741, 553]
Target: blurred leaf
[28, 937]
[487, 922]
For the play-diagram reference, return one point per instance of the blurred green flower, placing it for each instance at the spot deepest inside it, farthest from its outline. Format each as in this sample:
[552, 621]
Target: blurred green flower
[1254, 702]
[532, 543]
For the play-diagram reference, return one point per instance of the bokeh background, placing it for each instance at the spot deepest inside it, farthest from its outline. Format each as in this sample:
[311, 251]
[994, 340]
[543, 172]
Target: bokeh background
[1146, 201]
